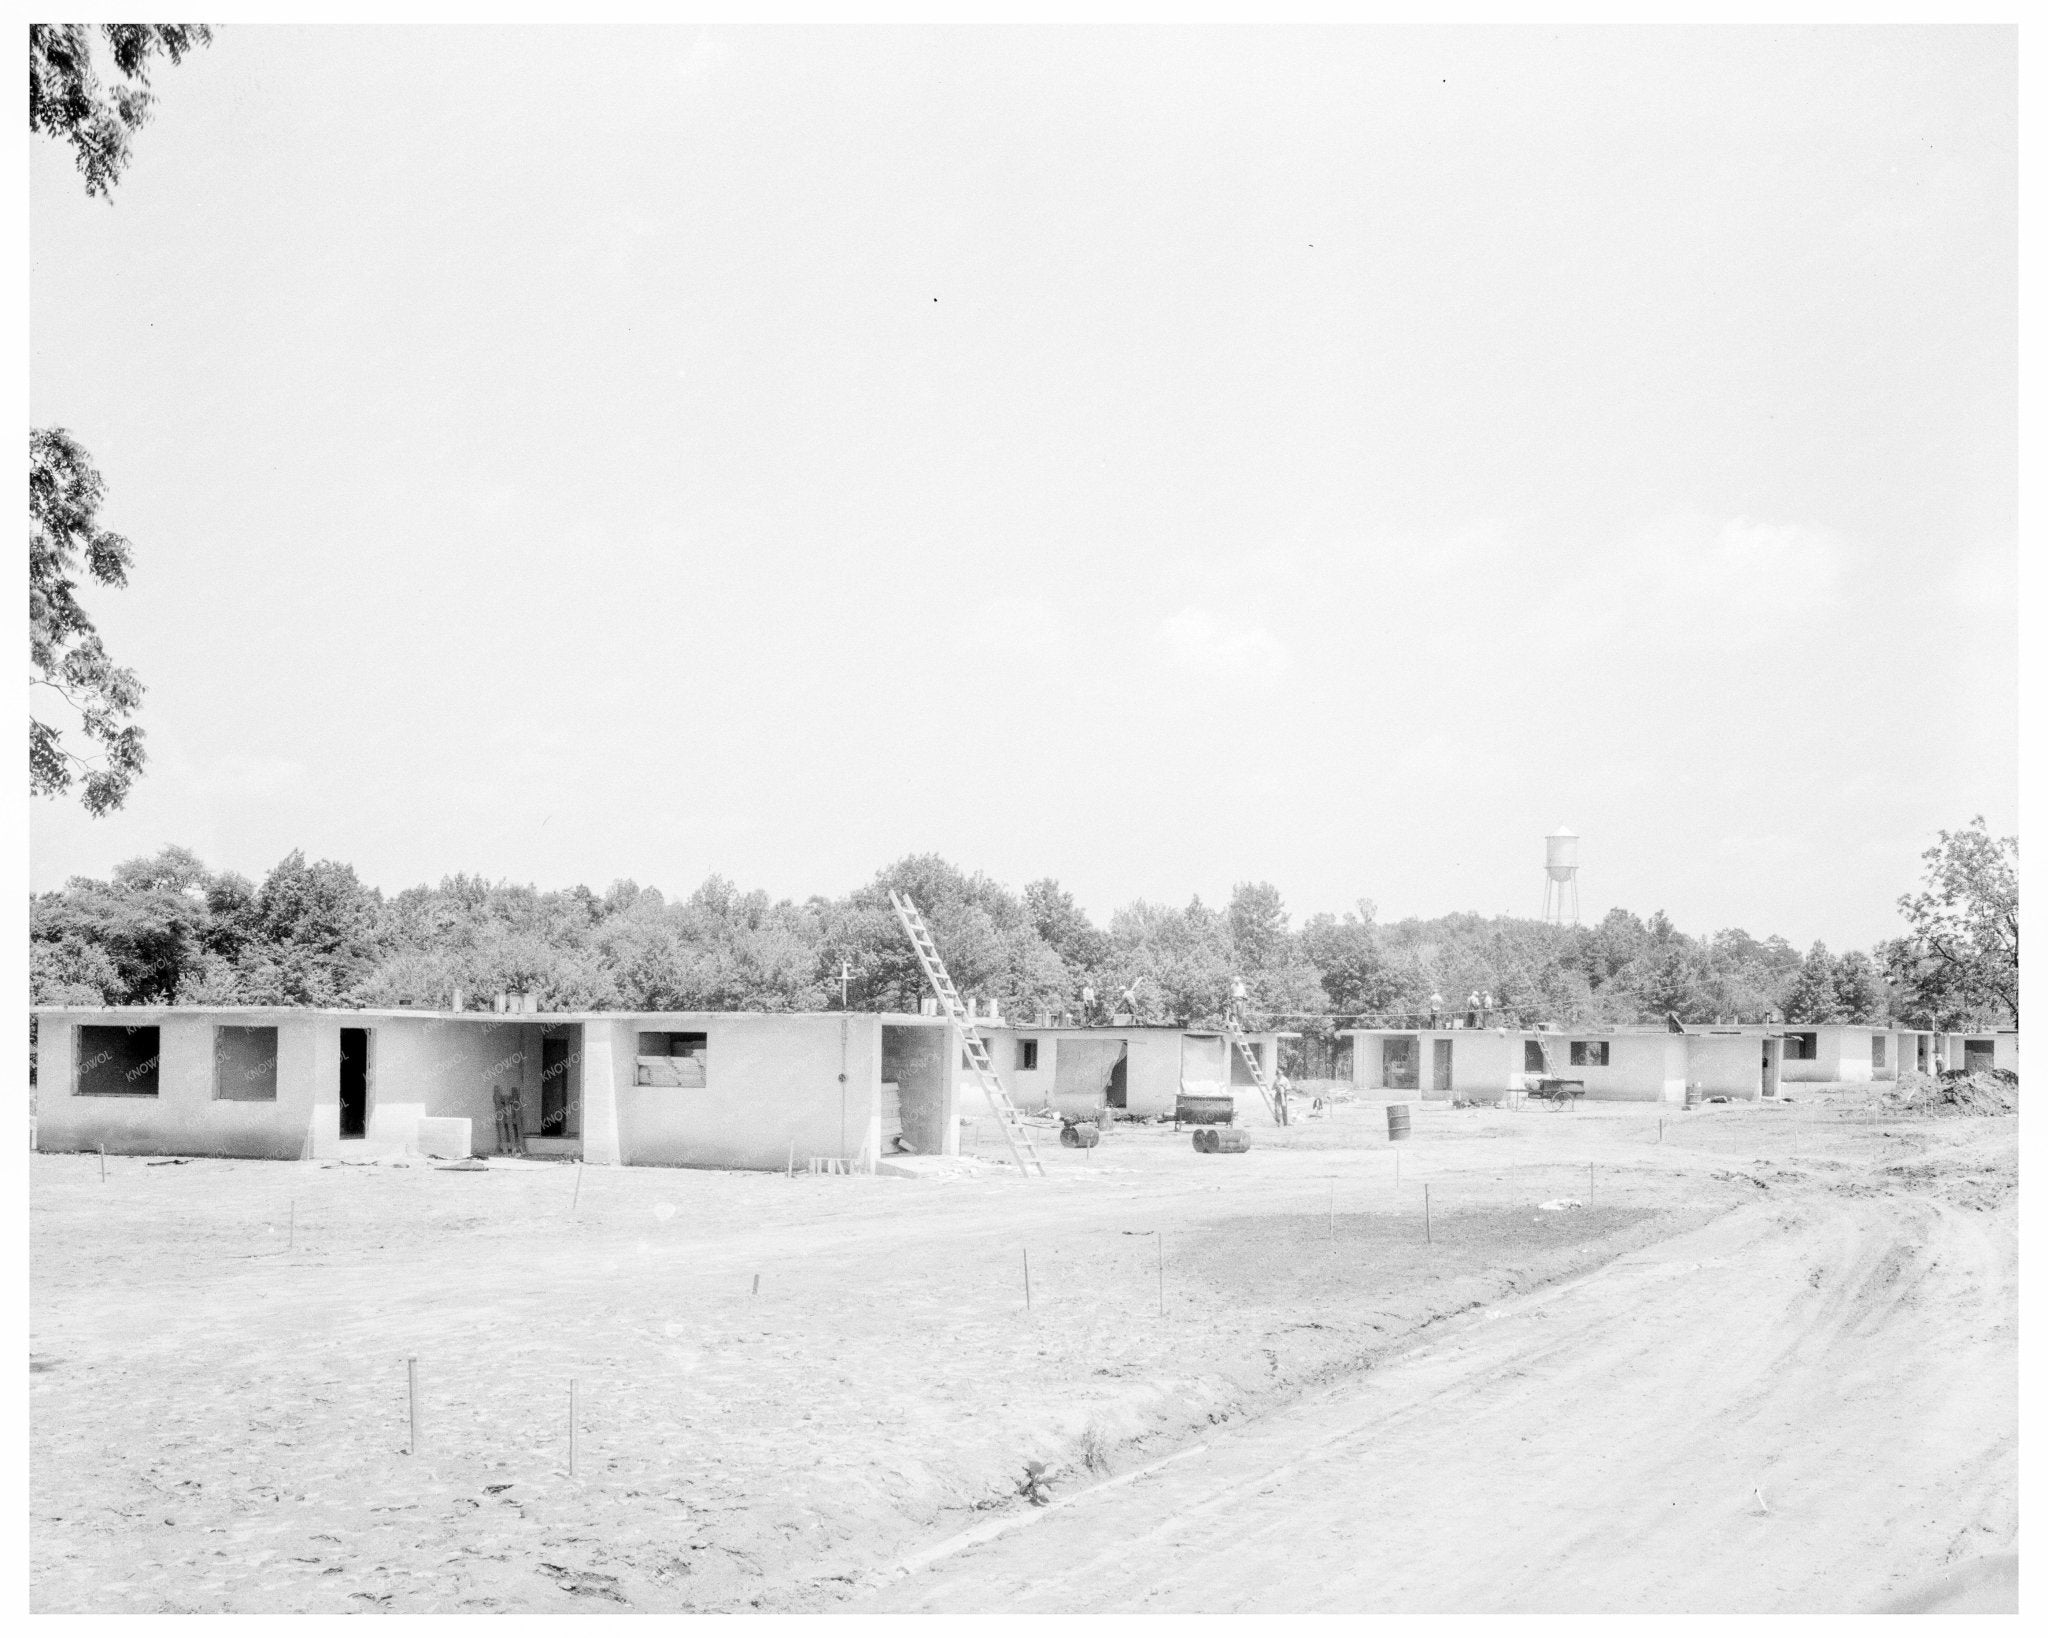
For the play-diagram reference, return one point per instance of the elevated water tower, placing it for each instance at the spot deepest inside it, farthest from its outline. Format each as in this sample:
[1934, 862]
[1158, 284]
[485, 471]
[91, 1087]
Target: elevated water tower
[1561, 875]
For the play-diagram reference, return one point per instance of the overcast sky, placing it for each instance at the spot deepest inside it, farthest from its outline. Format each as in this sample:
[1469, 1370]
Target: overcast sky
[1153, 460]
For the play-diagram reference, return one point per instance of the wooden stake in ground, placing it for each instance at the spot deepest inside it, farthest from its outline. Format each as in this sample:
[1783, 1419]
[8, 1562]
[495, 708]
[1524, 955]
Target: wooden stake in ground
[578, 1192]
[103, 1163]
[1027, 1279]
[790, 1170]
[757, 1285]
[412, 1401]
[1589, 1183]
[1161, 1236]
[1333, 1208]
[1427, 1237]
[572, 1427]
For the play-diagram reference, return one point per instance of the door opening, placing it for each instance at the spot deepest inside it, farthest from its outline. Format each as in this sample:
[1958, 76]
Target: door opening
[1118, 1096]
[1440, 1067]
[355, 1082]
[554, 1086]
[1398, 1063]
[1770, 1075]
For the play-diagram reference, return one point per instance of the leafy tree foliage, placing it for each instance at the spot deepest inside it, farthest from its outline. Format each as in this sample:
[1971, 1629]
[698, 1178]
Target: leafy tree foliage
[1960, 961]
[166, 928]
[992, 946]
[147, 936]
[1357, 977]
[1810, 998]
[1178, 963]
[69, 665]
[1065, 927]
[68, 101]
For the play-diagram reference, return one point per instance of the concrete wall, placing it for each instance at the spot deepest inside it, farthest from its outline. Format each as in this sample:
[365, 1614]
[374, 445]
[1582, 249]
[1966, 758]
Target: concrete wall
[1485, 1063]
[1156, 1060]
[1846, 1051]
[1028, 1088]
[1087, 1066]
[185, 1117]
[1243, 1090]
[1152, 1071]
[1841, 1055]
[772, 1086]
[447, 1067]
[1204, 1059]
[1726, 1066]
[771, 1080]
[1368, 1060]
[1646, 1068]
[920, 1062]
[2005, 1048]
[1807, 1070]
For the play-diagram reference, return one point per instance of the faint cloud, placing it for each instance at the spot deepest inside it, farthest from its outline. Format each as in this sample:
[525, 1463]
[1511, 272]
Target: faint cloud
[1196, 639]
[1745, 558]
[1759, 847]
[1728, 584]
[252, 778]
[707, 56]
[1987, 581]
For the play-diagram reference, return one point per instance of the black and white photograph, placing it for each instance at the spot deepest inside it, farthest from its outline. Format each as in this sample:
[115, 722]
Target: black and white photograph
[1023, 818]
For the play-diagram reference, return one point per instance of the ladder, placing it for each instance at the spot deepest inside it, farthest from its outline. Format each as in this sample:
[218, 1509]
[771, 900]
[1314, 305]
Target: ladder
[1014, 1129]
[1251, 1062]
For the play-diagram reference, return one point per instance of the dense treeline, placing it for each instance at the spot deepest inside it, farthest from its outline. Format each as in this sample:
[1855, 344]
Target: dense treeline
[168, 929]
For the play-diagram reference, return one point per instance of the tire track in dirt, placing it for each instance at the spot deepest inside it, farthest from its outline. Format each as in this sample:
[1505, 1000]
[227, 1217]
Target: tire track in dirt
[1805, 1405]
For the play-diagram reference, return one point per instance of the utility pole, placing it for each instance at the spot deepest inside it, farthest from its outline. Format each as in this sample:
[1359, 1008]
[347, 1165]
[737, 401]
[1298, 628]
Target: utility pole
[845, 978]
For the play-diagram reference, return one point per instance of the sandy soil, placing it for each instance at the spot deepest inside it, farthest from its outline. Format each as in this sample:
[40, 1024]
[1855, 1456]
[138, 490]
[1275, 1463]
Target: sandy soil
[220, 1424]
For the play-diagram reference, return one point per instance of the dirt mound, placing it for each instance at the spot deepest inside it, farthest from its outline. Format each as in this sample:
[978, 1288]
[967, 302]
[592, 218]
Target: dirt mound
[1955, 1092]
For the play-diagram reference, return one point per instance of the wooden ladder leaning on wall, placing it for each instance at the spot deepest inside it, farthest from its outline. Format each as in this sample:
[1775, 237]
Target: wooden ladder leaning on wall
[1015, 1131]
[1251, 1062]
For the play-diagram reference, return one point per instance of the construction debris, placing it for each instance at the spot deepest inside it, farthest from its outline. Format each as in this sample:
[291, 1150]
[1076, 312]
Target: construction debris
[1954, 1092]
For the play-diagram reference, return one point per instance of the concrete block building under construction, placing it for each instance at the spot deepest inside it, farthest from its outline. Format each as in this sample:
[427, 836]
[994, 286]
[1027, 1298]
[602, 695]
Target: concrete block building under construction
[746, 1090]
[1658, 1065]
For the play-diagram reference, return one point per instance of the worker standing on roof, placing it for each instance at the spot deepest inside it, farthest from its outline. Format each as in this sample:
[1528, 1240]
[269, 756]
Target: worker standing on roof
[1239, 996]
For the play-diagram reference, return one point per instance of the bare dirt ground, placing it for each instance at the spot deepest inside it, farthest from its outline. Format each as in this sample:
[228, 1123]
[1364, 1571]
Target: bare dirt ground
[1769, 1364]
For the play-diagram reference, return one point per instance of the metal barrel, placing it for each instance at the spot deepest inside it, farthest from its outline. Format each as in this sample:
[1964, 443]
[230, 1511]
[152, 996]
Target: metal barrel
[1231, 1141]
[1205, 1141]
[1082, 1134]
[1397, 1122]
[1204, 1109]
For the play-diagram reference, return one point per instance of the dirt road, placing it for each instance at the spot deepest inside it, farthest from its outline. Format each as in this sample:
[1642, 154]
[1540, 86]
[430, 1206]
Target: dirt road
[787, 1385]
[1808, 1405]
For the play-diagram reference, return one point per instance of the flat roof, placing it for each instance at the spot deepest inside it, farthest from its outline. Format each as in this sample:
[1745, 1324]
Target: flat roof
[286, 1011]
[1126, 1029]
[1601, 1031]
